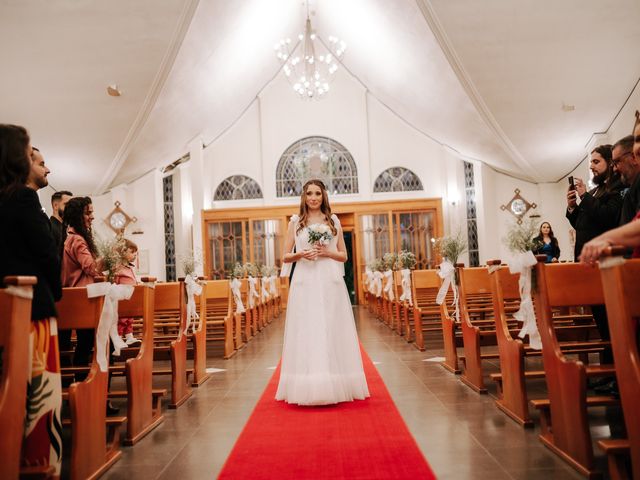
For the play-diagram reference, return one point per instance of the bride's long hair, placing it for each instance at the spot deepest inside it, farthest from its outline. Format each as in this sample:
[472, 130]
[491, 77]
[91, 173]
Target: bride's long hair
[325, 208]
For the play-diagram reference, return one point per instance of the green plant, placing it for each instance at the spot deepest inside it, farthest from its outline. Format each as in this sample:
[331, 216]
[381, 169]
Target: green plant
[111, 253]
[450, 247]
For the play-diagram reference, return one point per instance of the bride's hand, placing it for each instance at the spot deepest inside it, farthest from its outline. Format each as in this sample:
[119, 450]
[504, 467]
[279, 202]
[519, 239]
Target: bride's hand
[310, 254]
[321, 250]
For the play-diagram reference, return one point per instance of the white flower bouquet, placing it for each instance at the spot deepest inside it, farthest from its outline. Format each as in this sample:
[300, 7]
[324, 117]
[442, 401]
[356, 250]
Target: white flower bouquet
[319, 233]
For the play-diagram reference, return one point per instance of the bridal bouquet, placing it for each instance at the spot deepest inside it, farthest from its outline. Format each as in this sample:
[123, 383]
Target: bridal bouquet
[319, 233]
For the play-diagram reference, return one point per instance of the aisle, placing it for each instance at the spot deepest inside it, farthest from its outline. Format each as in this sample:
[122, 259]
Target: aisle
[462, 434]
[364, 439]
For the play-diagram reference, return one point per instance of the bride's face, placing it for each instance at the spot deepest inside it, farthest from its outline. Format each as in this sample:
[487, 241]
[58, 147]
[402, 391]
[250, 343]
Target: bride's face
[313, 197]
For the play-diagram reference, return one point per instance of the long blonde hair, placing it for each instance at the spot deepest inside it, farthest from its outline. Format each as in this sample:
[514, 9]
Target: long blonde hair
[325, 208]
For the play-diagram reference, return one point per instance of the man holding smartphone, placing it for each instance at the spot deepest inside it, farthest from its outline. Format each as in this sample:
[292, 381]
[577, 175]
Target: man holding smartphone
[598, 211]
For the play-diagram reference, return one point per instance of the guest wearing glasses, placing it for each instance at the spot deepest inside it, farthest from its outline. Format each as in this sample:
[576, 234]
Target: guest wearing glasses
[628, 165]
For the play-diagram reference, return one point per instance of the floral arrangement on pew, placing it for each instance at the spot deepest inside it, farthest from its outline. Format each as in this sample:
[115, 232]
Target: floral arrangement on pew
[271, 273]
[190, 263]
[236, 274]
[520, 242]
[377, 267]
[406, 261]
[111, 256]
[253, 270]
[450, 248]
[390, 260]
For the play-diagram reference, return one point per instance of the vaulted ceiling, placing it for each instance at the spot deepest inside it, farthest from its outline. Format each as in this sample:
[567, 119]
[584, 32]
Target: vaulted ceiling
[488, 79]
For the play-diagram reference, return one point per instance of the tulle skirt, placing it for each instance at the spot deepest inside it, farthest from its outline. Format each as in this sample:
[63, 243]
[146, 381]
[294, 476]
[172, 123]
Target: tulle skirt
[321, 360]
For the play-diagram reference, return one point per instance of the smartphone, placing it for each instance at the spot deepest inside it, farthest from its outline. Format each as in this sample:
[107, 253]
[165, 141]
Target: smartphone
[572, 186]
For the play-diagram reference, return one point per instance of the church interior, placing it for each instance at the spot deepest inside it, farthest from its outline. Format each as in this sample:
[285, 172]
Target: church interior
[192, 126]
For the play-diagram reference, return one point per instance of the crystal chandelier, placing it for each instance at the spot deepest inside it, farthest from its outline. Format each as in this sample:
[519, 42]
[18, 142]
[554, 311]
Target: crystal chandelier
[311, 64]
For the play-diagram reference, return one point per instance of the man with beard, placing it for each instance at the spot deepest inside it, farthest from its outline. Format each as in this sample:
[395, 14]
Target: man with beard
[628, 166]
[58, 201]
[599, 208]
[598, 211]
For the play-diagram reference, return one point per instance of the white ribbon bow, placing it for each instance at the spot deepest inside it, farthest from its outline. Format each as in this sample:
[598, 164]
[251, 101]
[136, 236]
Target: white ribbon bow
[108, 324]
[376, 283]
[522, 263]
[253, 291]
[388, 285]
[367, 279]
[235, 289]
[19, 291]
[406, 286]
[193, 288]
[273, 289]
[264, 292]
[447, 273]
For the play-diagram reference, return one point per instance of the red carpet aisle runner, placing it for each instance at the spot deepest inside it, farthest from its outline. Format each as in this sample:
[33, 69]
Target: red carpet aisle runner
[364, 439]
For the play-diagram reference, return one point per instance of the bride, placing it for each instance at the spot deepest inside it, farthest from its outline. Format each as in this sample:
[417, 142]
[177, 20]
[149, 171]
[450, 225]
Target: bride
[321, 362]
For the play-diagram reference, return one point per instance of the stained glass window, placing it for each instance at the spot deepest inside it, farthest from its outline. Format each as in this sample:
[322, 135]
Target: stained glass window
[169, 231]
[237, 187]
[316, 157]
[397, 179]
[472, 227]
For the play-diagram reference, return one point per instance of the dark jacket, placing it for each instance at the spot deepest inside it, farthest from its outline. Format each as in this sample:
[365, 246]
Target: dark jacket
[595, 215]
[27, 247]
[539, 244]
[630, 203]
[59, 235]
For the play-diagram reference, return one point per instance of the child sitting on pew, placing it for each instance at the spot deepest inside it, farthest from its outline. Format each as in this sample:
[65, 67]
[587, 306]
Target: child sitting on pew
[126, 275]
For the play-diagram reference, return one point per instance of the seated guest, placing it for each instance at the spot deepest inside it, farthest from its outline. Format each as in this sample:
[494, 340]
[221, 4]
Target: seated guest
[58, 201]
[28, 248]
[546, 243]
[80, 266]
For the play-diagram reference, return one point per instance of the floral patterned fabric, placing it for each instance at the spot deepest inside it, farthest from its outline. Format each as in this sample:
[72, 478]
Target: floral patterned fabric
[42, 444]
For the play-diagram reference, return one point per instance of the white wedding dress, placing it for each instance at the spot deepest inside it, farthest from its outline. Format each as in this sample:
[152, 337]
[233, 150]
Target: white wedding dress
[321, 361]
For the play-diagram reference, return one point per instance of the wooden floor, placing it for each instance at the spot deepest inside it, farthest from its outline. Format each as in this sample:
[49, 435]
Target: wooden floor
[462, 434]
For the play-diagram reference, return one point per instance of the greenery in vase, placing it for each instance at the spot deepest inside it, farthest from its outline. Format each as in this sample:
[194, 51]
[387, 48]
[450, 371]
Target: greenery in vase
[520, 238]
[406, 260]
[450, 247]
[376, 265]
[111, 256]
[190, 262]
[238, 271]
[390, 260]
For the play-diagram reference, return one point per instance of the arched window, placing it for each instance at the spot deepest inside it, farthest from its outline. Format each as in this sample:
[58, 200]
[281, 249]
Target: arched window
[397, 179]
[316, 157]
[237, 187]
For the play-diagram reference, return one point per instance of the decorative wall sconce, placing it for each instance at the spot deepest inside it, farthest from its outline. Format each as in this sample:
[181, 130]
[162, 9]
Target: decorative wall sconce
[518, 206]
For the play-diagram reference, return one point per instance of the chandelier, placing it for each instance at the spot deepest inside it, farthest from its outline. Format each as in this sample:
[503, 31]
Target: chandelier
[311, 63]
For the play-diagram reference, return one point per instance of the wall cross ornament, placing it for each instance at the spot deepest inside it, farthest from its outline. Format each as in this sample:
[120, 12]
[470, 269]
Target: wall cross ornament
[518, 206]
[118, 219]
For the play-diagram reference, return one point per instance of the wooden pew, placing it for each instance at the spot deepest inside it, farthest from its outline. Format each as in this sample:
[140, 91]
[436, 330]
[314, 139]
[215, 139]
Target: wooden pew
[425, 313]
[144, 412]
[95, 438]
[622, 297]
[199, 343]
[513, 351]
[223, 325]
[564, 423]
[15, 324]
[170, 307]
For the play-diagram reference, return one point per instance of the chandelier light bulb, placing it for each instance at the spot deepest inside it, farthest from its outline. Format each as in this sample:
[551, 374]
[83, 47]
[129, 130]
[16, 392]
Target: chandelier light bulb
[311, 63]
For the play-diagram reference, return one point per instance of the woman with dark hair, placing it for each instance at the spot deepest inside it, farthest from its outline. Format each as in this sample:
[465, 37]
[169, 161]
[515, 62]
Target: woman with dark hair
[546, 243]
[27, 247]
[80, 266]
[321, 361]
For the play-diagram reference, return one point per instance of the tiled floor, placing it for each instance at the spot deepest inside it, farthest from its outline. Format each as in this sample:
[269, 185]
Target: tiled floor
[462, 434]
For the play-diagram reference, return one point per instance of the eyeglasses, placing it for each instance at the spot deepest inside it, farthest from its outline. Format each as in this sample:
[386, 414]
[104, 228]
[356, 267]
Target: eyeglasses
[616, 161]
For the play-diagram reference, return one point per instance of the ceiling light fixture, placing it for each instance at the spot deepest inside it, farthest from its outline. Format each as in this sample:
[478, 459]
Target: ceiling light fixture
[311, 64]
[113, 90]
